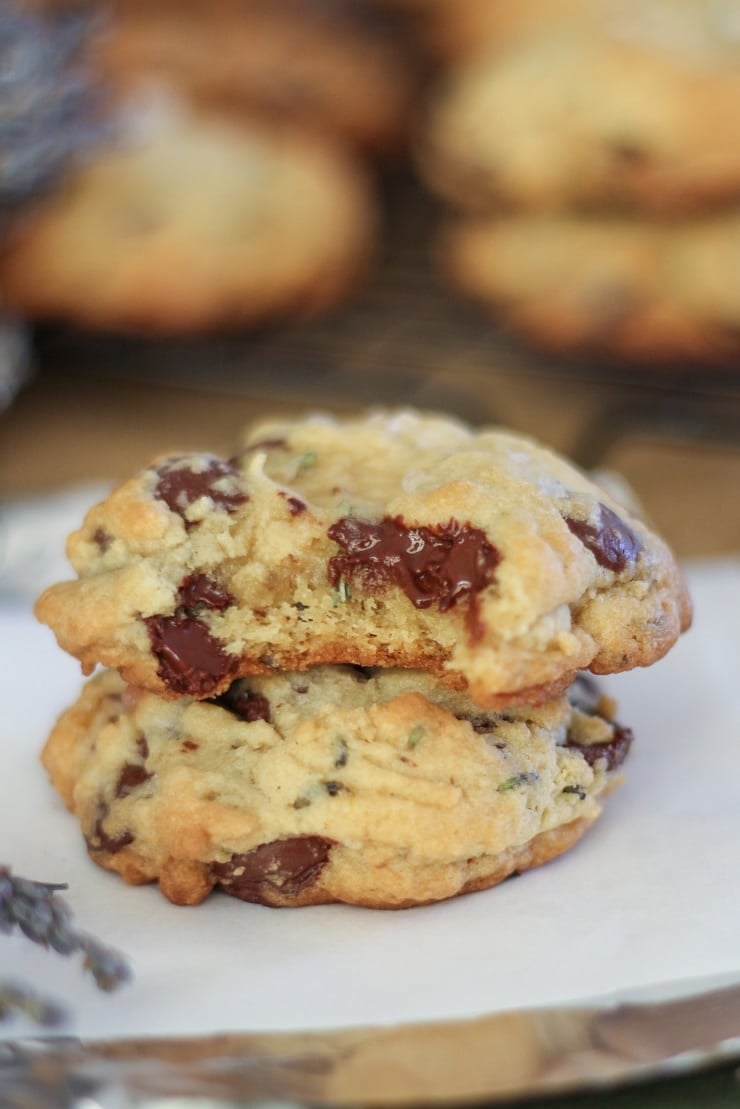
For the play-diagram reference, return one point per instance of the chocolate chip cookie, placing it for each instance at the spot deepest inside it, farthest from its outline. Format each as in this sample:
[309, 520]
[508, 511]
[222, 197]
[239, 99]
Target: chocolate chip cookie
[638, 110]
[328, 66]
[628, 288]
[378, 788]
[453, 30]
[191, 223]
[393, 539]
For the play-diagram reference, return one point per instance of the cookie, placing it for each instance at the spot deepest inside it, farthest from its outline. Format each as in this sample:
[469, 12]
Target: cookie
[624, 288]
[192, 224]
[329, 66]
[623, 115]
[377, 788]
[456, 30]
[390, 539]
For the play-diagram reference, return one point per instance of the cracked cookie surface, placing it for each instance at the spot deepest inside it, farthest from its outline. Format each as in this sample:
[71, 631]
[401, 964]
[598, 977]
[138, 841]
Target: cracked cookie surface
[374, 787]
[395, 539]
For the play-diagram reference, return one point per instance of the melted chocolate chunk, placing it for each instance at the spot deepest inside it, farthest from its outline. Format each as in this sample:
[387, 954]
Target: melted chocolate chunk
[142, 747]
[179, 486]
[439, 565]
[295, 504]
[191, 660]
[245, 704]
[613, 543]
[100, 840]
[199, 589]
[614, 751]
[285, 867]
[131, 777]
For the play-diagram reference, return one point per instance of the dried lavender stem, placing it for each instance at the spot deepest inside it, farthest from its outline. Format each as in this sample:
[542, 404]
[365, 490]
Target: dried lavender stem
[36, 909]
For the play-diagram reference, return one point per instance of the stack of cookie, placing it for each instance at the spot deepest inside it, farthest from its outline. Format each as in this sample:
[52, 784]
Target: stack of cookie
[343, 664]
[236, 184]
[594, 149]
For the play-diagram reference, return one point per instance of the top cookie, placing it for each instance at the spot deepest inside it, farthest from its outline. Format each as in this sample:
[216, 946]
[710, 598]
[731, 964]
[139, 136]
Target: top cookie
[394, 539]
[639, 111]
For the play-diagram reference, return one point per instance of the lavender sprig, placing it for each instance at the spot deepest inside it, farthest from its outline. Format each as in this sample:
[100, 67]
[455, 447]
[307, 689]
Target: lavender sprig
[45, 918]
[48, 97]
[15, 999]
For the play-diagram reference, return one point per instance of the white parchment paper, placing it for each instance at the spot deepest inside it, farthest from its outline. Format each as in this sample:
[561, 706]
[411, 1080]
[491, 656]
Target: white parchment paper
[650, 896]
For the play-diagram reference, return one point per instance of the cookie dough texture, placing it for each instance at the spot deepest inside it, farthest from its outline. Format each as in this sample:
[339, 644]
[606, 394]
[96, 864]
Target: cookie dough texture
[638, 110]
[382, 789]
[189, 223]
[632, 288]
[392, 539]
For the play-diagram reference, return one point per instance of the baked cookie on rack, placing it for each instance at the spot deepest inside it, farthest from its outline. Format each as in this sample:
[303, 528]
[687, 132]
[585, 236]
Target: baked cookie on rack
[330, 66]
[457, 30]
[378, 788]
[190, 223]
[391, 539]
[637, 112]
[629, 288]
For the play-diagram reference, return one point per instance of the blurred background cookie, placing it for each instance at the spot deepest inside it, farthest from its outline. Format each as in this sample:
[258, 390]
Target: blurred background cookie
[193, 223]
[617, 287]
[331, 65]
[626, 113]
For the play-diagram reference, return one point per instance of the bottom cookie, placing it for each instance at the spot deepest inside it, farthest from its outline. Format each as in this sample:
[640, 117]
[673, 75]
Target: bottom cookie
[380, 788]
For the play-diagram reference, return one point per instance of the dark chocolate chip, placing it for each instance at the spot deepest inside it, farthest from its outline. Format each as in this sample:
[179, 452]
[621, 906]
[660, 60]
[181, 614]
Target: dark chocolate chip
[200, 590]
[179, 485]
[284, 867]
[142, 747]
[102, 539]
[131, 777]
[191, 660]
[439, 565]
[333, 788]
[481, 724]
[612, 542]
[189, 745]
[295, 504]
[244, 703]
[614, 752]
[100, 840]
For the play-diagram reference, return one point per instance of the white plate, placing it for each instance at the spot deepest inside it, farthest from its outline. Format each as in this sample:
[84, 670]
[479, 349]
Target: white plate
[651, 895]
